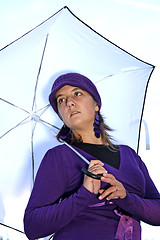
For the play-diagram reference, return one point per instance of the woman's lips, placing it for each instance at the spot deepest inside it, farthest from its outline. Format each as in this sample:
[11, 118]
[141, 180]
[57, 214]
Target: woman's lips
[74, 113]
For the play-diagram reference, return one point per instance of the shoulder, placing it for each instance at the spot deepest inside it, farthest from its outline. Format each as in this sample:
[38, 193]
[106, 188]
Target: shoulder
[55, 153]
[61, 148]
[126, 148]
[55, 158]
[130, 153]
[59, 153]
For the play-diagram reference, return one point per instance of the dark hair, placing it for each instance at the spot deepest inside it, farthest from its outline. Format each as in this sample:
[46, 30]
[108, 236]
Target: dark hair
[106, 137]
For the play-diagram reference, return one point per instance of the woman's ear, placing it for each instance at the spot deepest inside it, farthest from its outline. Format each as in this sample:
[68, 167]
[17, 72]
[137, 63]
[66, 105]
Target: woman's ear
[96, 108]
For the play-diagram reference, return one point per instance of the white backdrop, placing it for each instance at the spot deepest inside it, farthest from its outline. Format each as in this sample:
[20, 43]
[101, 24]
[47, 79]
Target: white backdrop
[132, 25]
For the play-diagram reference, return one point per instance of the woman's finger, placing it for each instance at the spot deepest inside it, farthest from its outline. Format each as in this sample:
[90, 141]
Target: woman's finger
[116, 190]
[97, 169]
[94, 162]
[108, 192]
[109, 178]
[108, 175]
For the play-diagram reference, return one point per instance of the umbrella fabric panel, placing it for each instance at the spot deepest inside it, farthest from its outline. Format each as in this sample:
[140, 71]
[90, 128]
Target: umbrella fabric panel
[123, 107]
[15, 175]
[76, 47]
[19, 65]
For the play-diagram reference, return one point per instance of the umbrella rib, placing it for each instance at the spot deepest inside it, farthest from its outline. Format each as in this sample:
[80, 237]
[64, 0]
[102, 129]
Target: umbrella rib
[144, 100]
[14, 127]
[125, 71]
[15, 229]
[36, 119]
[33, 105]
[49, 124]
[35, 90]
[13, 105]
[51, 238]
[32, 148]
[45, 108]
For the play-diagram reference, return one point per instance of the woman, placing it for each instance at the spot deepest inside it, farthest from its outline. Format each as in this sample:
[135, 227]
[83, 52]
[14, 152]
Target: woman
[72, 205]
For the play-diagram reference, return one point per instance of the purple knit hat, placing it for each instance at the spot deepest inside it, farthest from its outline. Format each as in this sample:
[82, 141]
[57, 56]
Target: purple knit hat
[75, 80]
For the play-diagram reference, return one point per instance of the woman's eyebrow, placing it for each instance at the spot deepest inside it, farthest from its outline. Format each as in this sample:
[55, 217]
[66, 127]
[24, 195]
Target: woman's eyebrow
[60, 95]
[73, 90]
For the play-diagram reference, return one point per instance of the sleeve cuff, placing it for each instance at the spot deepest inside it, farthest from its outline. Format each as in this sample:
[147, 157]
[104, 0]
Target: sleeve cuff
[126, 203]
[87, 196]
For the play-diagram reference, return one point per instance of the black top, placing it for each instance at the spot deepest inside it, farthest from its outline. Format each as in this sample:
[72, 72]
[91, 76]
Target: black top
[101, 152]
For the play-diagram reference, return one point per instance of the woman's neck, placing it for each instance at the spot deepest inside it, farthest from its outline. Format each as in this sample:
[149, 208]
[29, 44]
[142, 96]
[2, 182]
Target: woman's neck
[88, 137]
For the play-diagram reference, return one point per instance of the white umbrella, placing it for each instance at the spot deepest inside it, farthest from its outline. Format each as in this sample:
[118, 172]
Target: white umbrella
[29, 65]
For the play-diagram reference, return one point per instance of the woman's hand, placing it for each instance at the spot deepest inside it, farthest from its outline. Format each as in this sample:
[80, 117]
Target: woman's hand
[93, 185]
[115, 191]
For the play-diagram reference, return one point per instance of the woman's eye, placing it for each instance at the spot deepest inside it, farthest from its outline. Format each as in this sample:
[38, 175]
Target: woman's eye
[78, 93]
[61, 100]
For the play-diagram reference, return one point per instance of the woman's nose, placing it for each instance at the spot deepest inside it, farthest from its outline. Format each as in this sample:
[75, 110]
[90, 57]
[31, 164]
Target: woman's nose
[70, 102]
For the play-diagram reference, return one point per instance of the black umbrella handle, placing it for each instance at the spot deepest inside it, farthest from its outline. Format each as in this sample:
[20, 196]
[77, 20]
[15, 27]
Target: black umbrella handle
[92, 175]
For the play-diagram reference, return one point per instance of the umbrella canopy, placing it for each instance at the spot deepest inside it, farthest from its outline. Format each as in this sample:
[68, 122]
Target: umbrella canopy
[29, 65]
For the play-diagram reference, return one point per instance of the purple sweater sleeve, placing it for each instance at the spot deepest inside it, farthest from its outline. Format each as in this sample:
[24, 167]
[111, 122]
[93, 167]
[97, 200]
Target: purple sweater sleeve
[44, 214]
[146, 209]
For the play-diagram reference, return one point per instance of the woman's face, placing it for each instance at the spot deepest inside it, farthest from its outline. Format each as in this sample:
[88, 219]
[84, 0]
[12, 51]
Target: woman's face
[76, 107]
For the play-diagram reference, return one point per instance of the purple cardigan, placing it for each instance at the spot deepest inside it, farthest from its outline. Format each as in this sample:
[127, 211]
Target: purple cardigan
[60, 204]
